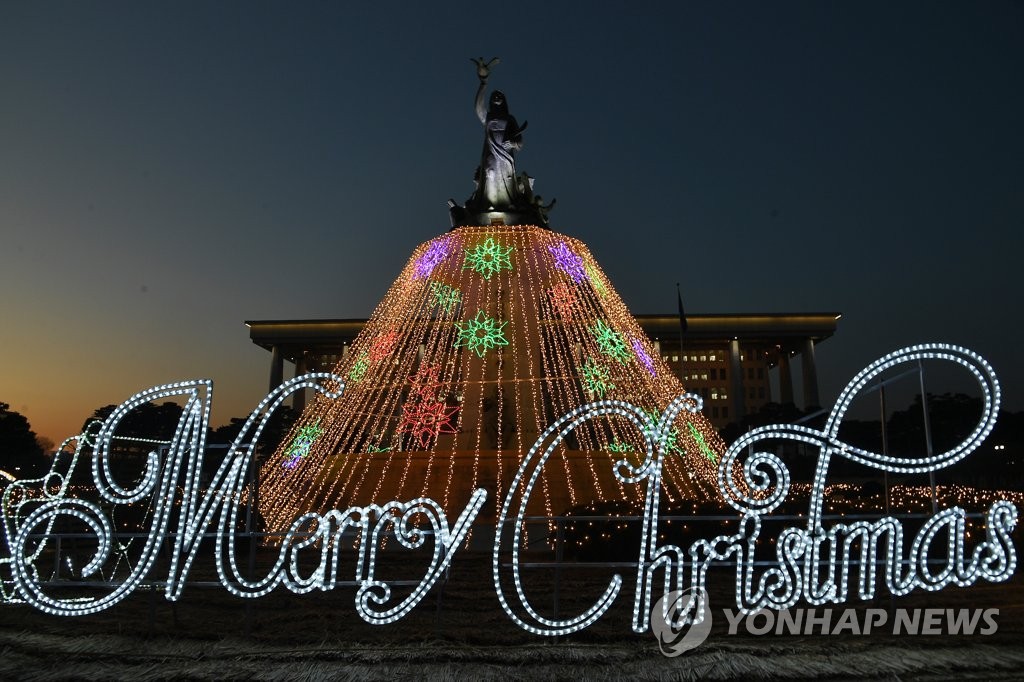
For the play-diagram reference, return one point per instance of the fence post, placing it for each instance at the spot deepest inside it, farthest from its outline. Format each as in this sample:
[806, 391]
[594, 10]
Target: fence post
[249, 530]
[440, 590]
[152, 609]
[559, 555]
[56, 560]
[885, 476]
[927, 436]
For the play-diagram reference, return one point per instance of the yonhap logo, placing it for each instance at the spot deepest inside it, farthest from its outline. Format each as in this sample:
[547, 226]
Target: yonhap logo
[681, 620]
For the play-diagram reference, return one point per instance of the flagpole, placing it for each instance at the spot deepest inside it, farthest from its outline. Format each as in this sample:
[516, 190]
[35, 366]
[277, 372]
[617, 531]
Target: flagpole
[682, 330]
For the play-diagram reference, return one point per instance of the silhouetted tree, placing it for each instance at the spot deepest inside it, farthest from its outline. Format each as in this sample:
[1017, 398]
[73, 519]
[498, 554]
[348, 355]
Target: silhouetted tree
[770, 413]
[277, 428]
[952, 416]
[148, 420]
[20, 453]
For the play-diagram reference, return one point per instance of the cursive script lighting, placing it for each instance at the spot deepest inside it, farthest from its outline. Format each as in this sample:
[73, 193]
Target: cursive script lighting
[758, 486]
[197, 512]
[812, 563]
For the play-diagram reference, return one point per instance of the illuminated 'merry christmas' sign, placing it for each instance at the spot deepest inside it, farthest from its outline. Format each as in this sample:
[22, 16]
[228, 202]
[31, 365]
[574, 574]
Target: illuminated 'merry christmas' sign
[812, 563]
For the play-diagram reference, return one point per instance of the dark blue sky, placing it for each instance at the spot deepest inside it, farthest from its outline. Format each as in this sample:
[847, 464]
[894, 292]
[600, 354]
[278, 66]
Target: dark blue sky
[172, 169]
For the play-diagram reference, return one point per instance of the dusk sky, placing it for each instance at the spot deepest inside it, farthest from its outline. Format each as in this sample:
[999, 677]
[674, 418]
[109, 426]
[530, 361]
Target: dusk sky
[169, 170]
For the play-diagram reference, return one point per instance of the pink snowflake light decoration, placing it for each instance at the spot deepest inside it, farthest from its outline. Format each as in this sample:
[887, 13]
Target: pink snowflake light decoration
[432, 257]
[642, 355]
[562, 299]
[568, 262]
[382, 346]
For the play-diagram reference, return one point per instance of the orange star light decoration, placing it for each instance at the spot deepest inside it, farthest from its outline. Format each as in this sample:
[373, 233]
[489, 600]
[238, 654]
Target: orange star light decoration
[425, 380]
[426, 419]
[382, 346]
[562, 299]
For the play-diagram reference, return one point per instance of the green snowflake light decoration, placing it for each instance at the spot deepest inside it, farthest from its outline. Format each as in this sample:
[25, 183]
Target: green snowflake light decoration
[358, 370]
[595, 279]
[596, 377]
[445, 297]
[702, 444]
[488, 258]
[375, 449]
[619, 446]
[481, 334]
[301, 443]
[610, 342]
[671, 440]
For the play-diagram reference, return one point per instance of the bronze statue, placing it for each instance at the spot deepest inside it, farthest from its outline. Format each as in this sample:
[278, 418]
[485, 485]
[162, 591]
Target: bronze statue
[501, 195]
[498, 188]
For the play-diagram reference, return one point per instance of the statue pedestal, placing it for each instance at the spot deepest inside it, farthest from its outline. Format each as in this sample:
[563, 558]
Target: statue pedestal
[471, 218]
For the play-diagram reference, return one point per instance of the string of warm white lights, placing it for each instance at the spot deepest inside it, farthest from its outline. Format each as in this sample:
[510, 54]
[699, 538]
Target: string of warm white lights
[521, 325]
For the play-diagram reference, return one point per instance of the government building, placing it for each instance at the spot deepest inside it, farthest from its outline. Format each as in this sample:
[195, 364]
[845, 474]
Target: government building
[736, 362]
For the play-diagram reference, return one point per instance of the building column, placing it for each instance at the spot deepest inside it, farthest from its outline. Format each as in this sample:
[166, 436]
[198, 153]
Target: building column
[736, 370]
[810, 370]
[276, 368]
[785, 378]
[299, 397]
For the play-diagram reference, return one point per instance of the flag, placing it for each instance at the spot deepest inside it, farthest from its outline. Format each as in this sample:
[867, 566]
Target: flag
[682, 315]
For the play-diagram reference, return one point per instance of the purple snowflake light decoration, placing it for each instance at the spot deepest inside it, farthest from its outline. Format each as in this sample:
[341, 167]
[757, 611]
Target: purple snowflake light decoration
[432, 257]
[642, 355]
[568, 262]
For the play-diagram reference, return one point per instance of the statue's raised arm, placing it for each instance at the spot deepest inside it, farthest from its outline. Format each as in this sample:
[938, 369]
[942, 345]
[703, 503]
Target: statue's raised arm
[483, 70]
